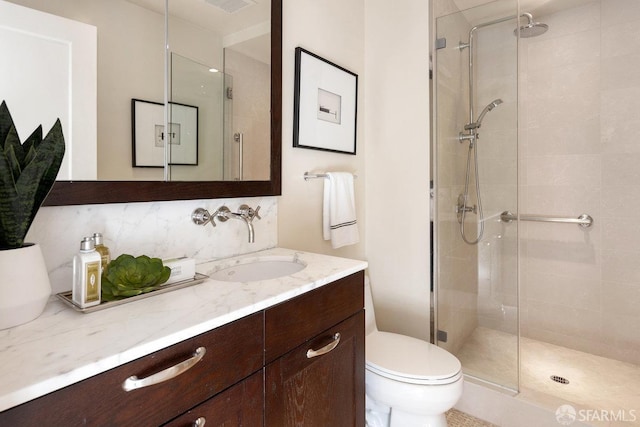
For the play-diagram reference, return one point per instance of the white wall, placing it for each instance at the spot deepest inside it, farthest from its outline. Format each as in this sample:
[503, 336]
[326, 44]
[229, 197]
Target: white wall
[333, 29]
[397, 158]
[388, 48]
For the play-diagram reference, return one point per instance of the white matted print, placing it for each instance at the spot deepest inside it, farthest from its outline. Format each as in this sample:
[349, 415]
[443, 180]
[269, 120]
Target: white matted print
[325, 105]
[149, 135]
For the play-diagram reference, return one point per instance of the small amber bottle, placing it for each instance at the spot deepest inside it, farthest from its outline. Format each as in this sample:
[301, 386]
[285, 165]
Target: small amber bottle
[104, 252]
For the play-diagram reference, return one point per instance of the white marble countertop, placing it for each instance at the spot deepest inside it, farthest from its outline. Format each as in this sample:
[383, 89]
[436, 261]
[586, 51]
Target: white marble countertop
[63, 346]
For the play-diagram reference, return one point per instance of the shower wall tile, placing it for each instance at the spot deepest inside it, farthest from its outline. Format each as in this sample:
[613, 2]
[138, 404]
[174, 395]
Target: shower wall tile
[619, 119]
[615, 12]
[584, 17]
[564, 320]
[562, 258]
[620, 39]
[572, 49]
[621, 299]
[552, 140]
[621, 234]
[621, 201]
[621, 265]
[620, 169]
[622, 332]
[573, 170]
[621, 72]
[563, 200]
[563, 94]
[580, 293]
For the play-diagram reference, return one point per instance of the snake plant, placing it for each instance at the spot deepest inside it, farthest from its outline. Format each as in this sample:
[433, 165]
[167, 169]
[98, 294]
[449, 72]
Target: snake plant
[27, 173]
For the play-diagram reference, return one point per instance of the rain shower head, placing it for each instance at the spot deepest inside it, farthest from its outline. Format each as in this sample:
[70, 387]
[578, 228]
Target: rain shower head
[475, 125]
[532, 29]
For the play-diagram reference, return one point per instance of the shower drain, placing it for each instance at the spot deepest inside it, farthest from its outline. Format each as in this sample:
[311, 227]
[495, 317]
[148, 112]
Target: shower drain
[559, 379]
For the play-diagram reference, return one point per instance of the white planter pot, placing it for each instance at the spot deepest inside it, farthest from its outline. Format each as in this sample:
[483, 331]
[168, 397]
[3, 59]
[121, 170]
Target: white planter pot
[24, 285]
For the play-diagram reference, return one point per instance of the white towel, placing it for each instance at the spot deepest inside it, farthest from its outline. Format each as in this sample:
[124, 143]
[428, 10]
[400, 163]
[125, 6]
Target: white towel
[339, 210]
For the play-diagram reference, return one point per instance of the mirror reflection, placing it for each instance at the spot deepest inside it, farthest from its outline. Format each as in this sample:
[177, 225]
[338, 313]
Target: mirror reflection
[218, 68]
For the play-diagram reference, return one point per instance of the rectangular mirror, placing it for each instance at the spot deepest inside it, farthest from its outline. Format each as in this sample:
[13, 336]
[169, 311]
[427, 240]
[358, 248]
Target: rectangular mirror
[131, 64]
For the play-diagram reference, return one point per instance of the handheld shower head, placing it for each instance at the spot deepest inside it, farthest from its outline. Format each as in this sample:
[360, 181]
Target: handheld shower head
[475, 125]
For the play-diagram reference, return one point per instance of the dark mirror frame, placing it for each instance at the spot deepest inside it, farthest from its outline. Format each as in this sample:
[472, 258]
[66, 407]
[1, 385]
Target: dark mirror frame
[98, 192]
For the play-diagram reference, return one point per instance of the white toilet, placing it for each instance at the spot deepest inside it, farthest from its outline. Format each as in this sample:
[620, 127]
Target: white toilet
[409, 382]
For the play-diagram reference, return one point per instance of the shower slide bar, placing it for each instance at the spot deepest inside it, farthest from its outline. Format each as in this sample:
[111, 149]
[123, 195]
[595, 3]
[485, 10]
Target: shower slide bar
[584, 220]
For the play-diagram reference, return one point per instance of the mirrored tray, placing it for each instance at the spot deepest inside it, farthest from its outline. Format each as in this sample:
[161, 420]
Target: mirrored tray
[66, 297]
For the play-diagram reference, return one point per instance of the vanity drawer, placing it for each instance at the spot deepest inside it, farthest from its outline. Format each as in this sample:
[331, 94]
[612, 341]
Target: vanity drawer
[233, 352]
[241, 405]
[291, 323]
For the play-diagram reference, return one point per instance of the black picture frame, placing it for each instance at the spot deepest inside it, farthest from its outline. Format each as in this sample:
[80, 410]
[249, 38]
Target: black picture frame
[325, 105]
[148, 135]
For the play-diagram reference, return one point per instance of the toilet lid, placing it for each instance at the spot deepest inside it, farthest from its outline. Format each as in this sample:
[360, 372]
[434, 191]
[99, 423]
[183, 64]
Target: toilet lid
[410, 359]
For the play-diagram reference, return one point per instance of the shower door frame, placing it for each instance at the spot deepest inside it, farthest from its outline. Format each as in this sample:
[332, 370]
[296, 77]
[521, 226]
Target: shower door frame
[435, 189]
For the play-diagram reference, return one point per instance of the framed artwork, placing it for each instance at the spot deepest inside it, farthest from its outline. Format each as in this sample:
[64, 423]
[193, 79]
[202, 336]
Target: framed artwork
[149, 136]
[325, 105]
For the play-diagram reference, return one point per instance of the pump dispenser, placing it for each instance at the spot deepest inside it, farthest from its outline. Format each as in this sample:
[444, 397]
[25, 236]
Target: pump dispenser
[87, 275]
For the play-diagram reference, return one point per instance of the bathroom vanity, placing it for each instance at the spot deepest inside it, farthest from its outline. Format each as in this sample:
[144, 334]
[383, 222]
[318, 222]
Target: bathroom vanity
[278, 352]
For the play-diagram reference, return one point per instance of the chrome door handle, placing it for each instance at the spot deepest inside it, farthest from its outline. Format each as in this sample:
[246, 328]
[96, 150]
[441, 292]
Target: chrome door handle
[133, 382]
[326, 349]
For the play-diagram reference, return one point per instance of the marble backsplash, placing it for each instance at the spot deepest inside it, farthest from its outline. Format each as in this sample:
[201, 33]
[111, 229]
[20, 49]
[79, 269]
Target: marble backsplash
[157, 229]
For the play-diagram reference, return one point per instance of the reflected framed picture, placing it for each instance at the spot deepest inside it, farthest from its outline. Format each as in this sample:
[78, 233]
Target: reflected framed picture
[149, 136]
[325, 105]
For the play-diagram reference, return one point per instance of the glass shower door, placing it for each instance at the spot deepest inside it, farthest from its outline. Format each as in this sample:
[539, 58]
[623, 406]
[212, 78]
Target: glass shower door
[476, 177]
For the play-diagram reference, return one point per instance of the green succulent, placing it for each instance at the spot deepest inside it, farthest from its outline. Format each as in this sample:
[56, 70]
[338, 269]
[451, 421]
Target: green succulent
[127, 276]
[27, 173]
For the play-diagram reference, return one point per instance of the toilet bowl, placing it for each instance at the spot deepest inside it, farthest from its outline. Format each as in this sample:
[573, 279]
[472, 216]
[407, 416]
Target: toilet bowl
[409, 382]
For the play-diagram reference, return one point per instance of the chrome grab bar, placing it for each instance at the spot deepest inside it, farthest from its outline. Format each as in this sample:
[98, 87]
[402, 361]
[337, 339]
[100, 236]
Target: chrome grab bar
[584, 220]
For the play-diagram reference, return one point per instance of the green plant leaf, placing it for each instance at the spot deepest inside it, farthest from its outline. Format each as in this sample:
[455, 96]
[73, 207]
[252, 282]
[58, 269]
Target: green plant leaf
[27, 174]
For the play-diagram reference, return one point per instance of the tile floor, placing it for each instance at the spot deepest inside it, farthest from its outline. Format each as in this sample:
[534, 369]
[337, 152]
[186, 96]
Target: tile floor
[456, 418]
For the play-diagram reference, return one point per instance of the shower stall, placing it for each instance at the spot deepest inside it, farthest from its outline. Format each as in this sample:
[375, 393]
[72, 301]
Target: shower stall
[536, 255]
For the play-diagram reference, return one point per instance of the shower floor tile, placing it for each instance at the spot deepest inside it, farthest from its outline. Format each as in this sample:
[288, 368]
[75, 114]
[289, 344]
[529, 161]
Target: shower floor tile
[594, 382]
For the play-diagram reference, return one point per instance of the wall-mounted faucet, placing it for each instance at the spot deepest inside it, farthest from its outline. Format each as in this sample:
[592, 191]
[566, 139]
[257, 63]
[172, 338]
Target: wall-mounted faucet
[245, 213]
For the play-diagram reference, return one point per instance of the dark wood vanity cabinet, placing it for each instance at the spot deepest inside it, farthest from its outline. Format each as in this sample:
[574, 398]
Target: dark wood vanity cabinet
[233, 352]
[314, 346]
[256, 371]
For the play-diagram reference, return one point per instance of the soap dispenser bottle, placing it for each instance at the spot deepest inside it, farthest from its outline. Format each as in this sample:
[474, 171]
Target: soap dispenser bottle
[104, 252]
[87, 275]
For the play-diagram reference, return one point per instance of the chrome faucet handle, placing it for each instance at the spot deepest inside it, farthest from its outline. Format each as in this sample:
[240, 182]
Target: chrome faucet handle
[222, 213]
[248, 212]
[202, 216]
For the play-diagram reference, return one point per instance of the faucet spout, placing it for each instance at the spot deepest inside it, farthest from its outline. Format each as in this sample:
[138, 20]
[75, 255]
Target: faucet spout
[247, 221]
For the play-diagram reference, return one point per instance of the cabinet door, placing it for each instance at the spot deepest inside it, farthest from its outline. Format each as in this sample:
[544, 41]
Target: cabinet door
[321, 391]
[240, 405]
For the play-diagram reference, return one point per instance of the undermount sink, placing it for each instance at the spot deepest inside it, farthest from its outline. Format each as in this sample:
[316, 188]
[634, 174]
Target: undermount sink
[263, 268]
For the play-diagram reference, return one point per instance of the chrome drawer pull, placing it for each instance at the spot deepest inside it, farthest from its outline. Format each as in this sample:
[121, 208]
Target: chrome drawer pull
[326, 349]
[133, 382]
[200, 422]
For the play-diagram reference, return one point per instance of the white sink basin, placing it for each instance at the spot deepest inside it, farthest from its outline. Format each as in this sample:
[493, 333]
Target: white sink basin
[263, 268]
